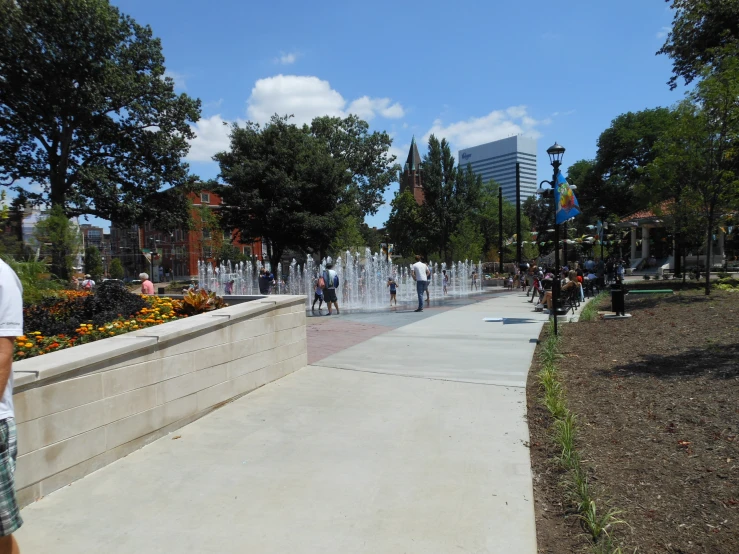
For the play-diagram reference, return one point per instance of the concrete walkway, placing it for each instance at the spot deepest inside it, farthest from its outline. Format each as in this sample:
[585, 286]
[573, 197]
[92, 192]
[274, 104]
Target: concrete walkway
[411, 441]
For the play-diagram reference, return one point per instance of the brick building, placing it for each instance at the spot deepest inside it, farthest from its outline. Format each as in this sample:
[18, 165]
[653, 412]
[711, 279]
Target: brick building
[178, 252]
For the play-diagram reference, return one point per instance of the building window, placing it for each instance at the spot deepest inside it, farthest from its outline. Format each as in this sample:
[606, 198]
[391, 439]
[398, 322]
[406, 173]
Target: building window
[204, 198]
[207, 252]
[246, 250]
[206, 233]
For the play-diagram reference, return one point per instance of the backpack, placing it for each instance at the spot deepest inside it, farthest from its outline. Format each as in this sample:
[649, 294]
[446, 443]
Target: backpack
[321, 282]
[87, 284]
[332, 284]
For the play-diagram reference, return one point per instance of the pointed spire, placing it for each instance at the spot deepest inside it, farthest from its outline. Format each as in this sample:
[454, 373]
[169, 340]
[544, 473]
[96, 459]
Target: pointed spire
[414, 158]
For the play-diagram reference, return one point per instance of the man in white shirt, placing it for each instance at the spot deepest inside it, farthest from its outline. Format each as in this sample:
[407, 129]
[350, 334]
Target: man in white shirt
[420, 273]
[11, 326]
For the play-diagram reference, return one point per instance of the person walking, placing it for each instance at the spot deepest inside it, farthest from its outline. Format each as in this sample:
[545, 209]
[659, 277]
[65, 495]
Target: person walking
[147, 287]
[318, 294]
[88, 283]
[393, 290]
[11, 326]
[420, 273]
[266, 280]
[474, 279]
[331, 280]
[444, 282]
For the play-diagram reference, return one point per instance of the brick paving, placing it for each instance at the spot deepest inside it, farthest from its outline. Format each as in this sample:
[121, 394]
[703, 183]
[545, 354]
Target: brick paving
[328, 335]
[333, 334]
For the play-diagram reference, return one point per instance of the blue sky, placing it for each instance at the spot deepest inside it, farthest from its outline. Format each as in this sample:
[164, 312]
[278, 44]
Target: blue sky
[468, 71]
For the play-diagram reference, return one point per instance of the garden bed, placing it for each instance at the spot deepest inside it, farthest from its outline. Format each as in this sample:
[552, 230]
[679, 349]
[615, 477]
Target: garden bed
[69, 318]
[658, 425]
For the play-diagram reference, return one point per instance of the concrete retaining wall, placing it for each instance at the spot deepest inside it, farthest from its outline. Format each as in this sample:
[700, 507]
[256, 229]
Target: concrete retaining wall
[80, 409]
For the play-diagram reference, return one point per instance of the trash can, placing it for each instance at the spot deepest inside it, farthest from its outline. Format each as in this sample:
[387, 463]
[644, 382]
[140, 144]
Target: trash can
[618, 304]
[160, 290]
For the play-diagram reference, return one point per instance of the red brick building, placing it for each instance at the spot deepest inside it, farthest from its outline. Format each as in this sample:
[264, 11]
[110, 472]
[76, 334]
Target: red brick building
[178, 252]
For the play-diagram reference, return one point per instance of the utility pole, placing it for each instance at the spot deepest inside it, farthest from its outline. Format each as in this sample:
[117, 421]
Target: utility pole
[518, 215]
[500, 225]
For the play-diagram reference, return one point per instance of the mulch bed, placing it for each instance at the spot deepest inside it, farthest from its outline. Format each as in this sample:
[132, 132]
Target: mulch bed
[657, 400]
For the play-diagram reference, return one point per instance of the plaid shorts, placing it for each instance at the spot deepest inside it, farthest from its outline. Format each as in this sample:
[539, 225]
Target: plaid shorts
[10, 516]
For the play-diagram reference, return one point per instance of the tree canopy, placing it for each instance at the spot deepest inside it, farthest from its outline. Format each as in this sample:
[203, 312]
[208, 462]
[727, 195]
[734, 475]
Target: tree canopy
[366, 156]
[87, 112]
[282, 185]
[701, 31]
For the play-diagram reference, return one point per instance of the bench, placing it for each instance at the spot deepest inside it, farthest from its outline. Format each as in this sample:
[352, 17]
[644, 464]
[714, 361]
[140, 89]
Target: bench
[652, 291]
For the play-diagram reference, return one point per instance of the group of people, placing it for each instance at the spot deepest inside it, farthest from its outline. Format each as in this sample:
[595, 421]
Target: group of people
[327, 282]
[537, 280]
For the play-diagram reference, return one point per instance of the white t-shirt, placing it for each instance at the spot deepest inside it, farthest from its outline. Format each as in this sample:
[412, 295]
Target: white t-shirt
[11, 325]
[419, 270]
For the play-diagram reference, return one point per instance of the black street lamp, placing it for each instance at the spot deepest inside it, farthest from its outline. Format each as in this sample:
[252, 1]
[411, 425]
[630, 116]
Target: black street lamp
[153, 251]
[602, 214]
[564, 243]
[556, 153]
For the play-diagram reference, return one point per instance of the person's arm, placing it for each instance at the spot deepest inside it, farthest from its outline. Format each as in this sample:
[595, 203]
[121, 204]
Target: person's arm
[6, 361]
[11, 321]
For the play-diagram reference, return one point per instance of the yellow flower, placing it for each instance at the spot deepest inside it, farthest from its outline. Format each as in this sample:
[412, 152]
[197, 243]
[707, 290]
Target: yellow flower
[28, 345]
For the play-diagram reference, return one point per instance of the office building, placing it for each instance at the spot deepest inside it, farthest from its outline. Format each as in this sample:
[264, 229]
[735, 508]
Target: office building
[497, 161]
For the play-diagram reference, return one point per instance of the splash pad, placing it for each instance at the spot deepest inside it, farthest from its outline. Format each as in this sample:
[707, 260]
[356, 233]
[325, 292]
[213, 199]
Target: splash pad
[362, 279]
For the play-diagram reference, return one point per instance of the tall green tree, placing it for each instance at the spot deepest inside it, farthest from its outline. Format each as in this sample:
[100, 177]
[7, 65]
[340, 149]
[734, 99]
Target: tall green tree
[349, 234]
[87, 112]
[406, 227]
[701, 31]
[55, 233]
[281, 185]
[699, 158]
[116, 269]
[624, 150]
[466, 243]
[716, 119]
[366, 156]
[440, 212]
[94, 263]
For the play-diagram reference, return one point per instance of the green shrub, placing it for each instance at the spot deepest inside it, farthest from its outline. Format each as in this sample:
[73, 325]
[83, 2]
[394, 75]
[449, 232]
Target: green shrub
[35, 280]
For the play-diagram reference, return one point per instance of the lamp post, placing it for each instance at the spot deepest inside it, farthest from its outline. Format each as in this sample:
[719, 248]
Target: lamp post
[602, 214]
[556, 153]
[500, 226]
[153, 250]
[564, 242]
[387, 247]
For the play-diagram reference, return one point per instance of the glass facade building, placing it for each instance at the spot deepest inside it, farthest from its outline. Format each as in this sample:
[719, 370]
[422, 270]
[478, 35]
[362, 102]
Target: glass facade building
[497, 160]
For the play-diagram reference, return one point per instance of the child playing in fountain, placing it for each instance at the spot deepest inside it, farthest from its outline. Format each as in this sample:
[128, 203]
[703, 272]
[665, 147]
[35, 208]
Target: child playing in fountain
[318, 295]
[393, 290]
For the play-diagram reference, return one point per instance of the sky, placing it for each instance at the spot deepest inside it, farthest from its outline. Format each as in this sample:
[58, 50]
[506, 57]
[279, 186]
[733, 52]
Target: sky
[470, 72]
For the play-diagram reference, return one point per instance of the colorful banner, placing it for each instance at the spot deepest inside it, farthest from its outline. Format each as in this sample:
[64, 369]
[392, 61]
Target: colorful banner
[564, 198]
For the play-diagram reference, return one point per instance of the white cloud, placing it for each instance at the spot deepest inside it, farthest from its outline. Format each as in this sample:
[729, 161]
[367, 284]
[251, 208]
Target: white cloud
[307, 97]
[663, 32]
[400, 153]
[303, 97]
[212, 137]
[178, 78]
[496, 125]
[287, 58]
[366, 108]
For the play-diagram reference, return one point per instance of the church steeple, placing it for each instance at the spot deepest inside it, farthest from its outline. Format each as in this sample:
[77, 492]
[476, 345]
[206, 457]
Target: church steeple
[412, 177]
[414, 158]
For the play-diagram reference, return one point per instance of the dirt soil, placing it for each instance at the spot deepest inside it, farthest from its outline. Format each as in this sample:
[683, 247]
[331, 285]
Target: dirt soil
[657, 400]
